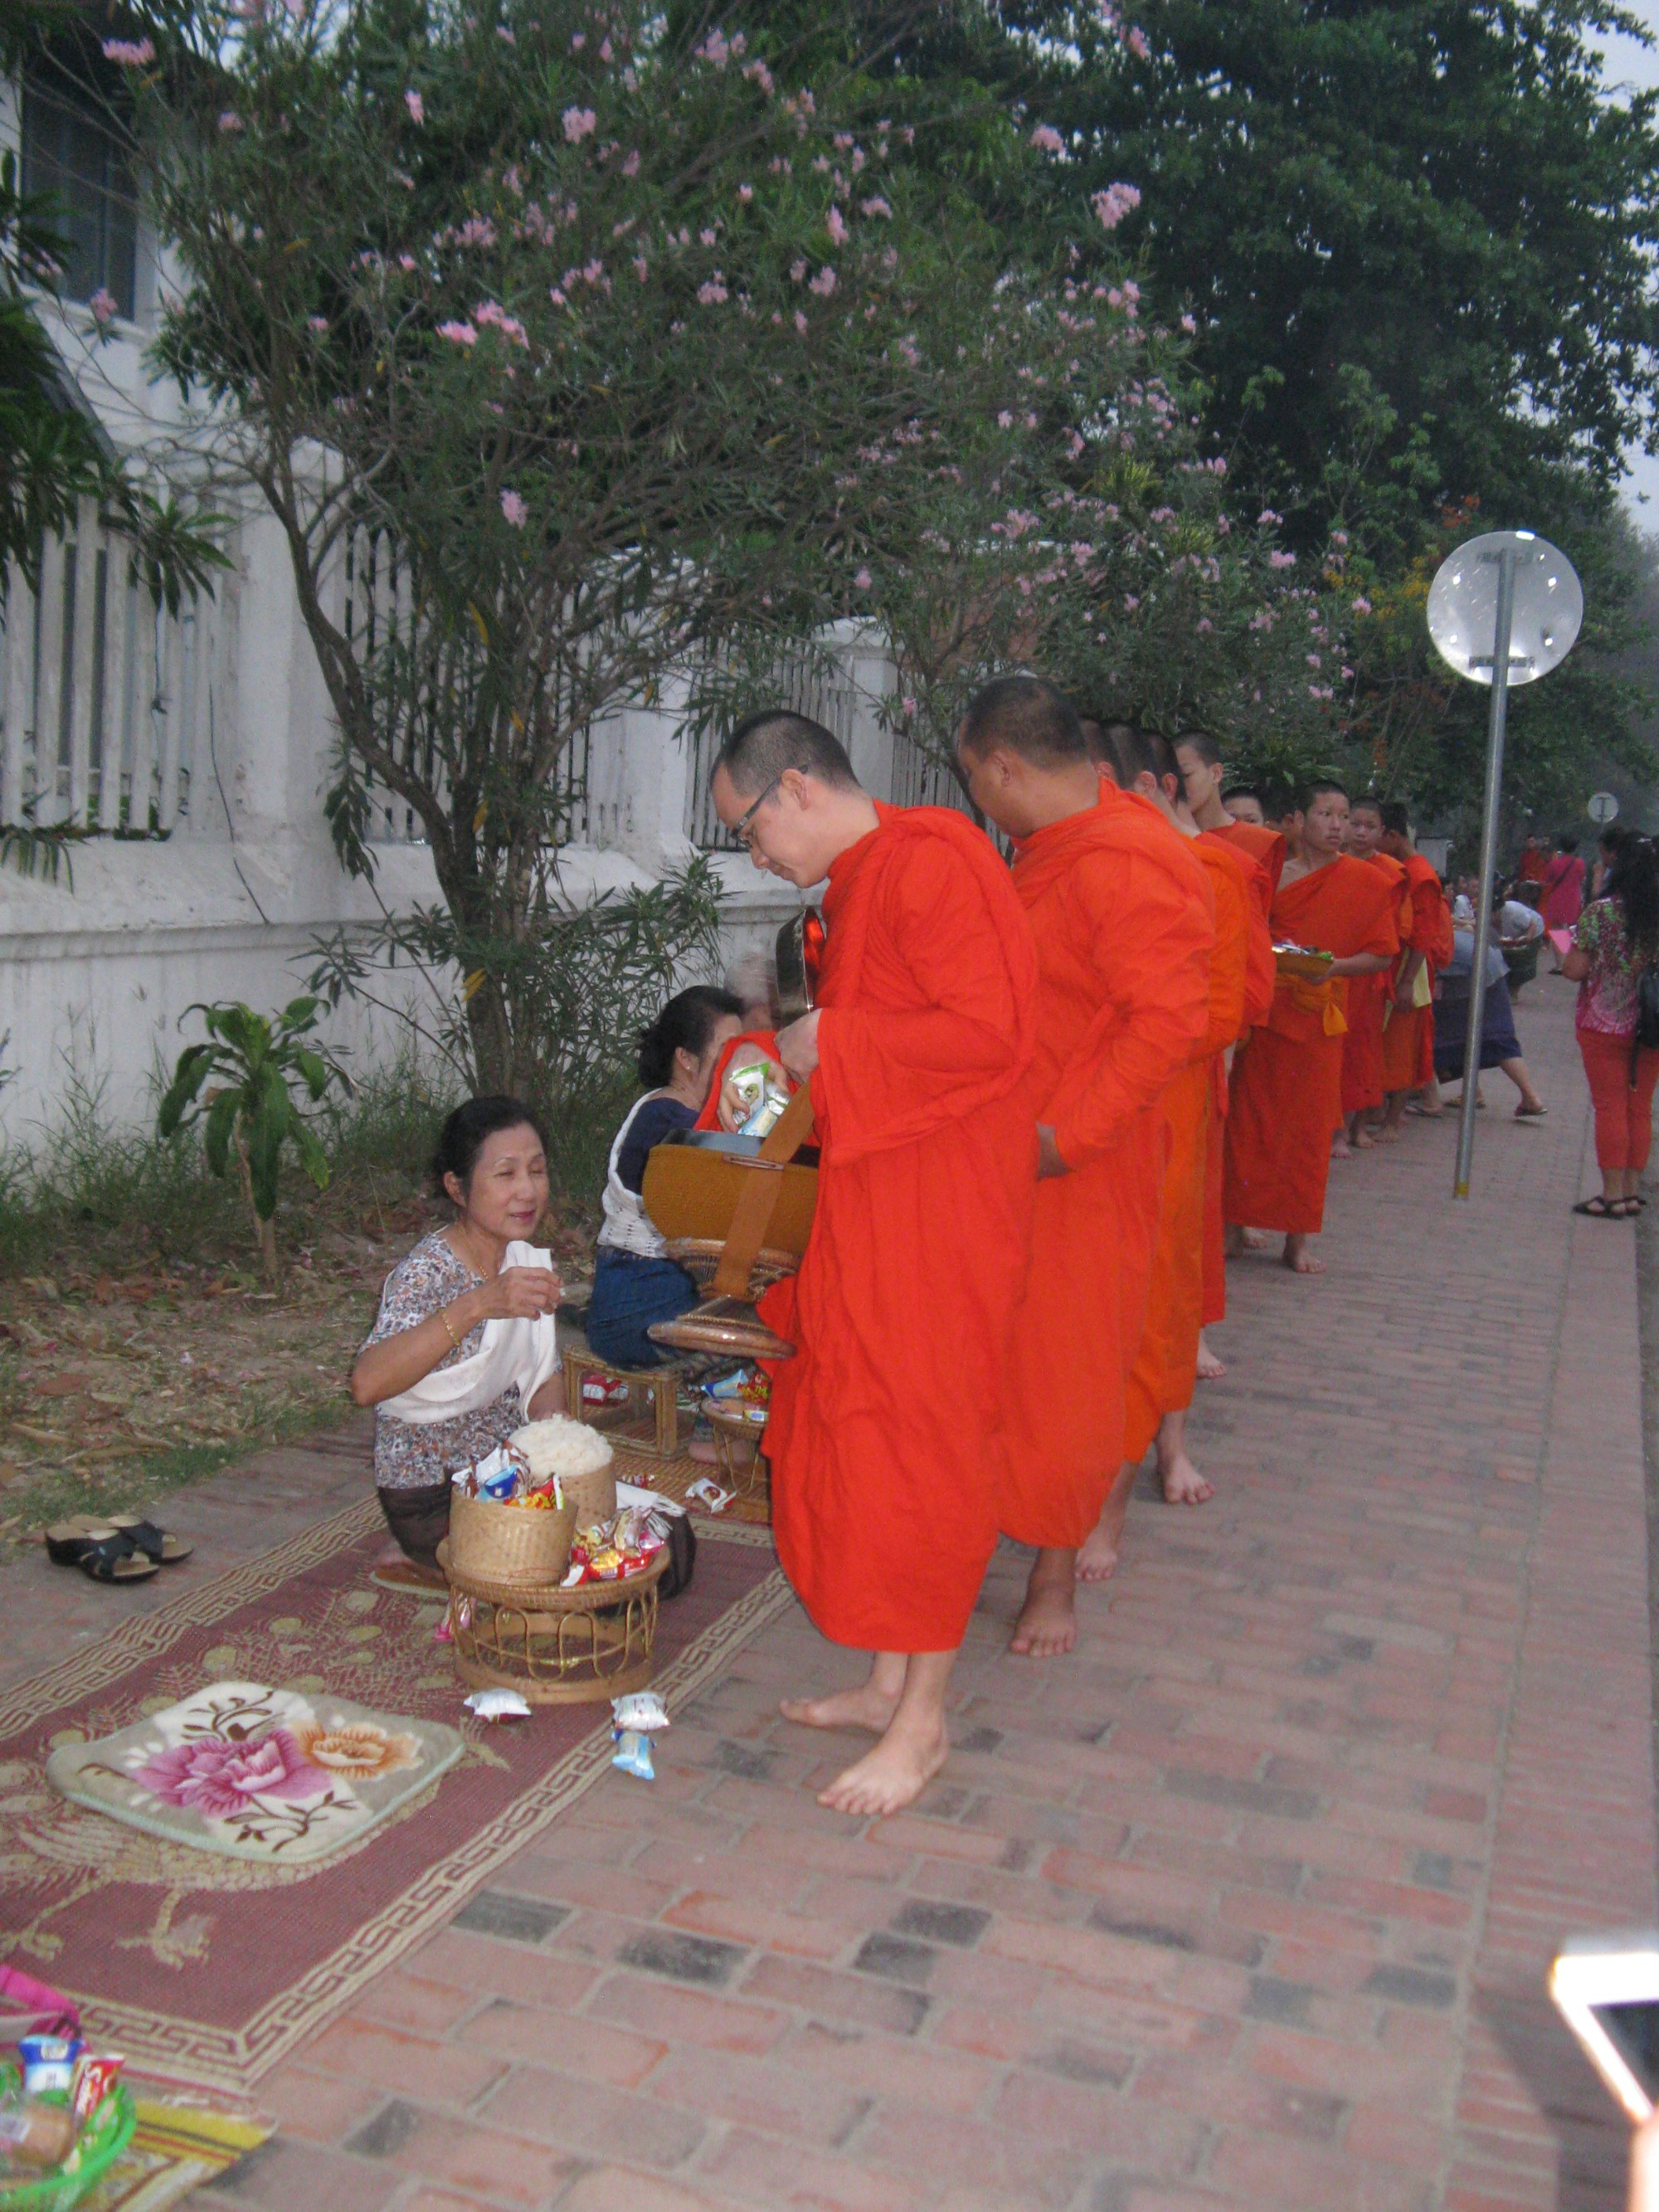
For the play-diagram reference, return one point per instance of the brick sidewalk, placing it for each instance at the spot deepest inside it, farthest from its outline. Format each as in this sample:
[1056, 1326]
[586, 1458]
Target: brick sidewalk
[1247, 1903]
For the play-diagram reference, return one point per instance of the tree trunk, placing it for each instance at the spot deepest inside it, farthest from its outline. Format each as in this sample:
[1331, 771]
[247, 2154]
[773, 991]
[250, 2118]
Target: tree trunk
[264, 1230]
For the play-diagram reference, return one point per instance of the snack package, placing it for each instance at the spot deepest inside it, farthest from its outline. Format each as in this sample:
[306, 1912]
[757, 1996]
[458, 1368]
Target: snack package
[633, 1754]
[48, 2062]
[604, 1390]
[748, 1080]
[767, 1116]
[497, 1705]
[94, 2077]
[34, 2137]
[641, 1710]
[498, 1475]
[709, 1493]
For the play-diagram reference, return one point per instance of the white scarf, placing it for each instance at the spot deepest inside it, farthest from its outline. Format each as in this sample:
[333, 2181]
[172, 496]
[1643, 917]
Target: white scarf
[525, 1351]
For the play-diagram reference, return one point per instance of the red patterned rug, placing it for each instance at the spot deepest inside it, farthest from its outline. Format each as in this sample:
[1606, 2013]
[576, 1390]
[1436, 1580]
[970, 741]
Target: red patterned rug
[209, 1969]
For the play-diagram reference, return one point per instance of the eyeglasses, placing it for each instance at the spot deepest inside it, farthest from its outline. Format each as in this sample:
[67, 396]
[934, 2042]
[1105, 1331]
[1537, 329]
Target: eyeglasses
[740, 828]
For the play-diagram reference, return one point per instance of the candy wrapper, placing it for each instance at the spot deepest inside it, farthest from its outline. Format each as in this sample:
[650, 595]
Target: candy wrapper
[707, 1493]
[633, 1754]
[497, 1705]
[94, 2077]
[604, 1391]
[642, 1711]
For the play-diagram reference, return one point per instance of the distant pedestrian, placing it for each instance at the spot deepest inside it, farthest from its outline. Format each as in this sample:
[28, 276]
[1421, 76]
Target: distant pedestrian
[1606, 852]
[1528, 880]
[1617, 938]
[1564, 892]
[1500, 1048]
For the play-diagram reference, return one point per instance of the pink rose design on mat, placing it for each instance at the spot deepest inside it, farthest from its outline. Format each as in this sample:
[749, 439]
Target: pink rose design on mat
[214, 1776]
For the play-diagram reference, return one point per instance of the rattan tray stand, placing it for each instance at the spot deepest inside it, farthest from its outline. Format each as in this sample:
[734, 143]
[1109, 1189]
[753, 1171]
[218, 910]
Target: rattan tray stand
[556, 1647]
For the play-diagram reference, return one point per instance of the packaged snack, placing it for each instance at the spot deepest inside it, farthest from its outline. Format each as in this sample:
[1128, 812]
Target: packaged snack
[606, 1563]
[34, 2135]
[604, 1390]
[497, 1705]
[633, 1754]
[94, 2077]
[709, 1493]
[642, 1711]
[748, 1080]
[48, 2062]
[767, 1116]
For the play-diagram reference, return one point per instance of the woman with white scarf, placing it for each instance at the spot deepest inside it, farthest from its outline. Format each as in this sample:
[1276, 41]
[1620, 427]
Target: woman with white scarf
[465, 1349]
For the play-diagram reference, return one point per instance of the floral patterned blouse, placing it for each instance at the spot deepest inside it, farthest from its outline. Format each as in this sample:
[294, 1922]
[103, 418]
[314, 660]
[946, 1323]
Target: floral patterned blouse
[1607, 996]
[411, 1455]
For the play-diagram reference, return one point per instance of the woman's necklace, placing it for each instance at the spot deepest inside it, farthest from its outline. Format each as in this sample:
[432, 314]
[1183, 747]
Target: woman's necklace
[462, 1246]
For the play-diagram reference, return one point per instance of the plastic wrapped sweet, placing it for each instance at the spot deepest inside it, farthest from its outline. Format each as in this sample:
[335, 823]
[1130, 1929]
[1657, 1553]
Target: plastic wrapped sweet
[642, 1710]
[497, 1705]
[633, 1754]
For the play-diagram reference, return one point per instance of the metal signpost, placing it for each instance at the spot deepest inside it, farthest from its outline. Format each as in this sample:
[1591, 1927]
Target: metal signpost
[1602, 808]
[1514, 588]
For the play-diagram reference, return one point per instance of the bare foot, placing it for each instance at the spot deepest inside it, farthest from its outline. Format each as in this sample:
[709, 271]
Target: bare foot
[1340, 1148]
[1210, 1368]
[1257, 1240]
[1183, 1485]
[1388, 1134]
[1298, 1259]
[866, 1707]
[1097, 1562]
[1048, 1621]
[1363, 1140]
[889, 1777]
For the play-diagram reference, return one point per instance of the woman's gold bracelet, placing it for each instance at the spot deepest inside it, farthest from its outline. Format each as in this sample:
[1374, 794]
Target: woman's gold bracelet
[448, 1331]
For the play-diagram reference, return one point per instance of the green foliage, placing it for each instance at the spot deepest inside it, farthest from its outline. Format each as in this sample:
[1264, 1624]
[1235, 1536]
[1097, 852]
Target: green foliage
[239, 1084]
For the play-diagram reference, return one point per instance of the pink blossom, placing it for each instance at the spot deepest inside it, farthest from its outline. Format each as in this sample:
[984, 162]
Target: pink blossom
[1205, 626]
[556, 296]
[415, 105]
[631, 165]
[1339, 537]
[714, 293]
[406, 262]
[1314, 660]
[1281, 560]
[641, 267]
[230, 120]
[707, 238]
[836, 223]
[797, 270]
[1005, 420]
[1130, 603]
[605, 54]
[1347, 675]
[1362, 606]
[1115, 202]
[1048, 140]
[513, 508]
[104, 309]
[461, 334]
[908, 705]
[715, 48]
[861, 581]
[1268, 516]
[876, 206]
[1136, 42]
[212, 1775]
[508, 38]
[318, 325]
[578, 123]
[824, 283]
[759, 74]
[800, 322]
[746, 193]
[577, 41]
[1189, 325]
[127, 54]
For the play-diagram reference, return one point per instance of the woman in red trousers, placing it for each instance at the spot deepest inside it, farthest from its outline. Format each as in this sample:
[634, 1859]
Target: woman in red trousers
[1618, 937]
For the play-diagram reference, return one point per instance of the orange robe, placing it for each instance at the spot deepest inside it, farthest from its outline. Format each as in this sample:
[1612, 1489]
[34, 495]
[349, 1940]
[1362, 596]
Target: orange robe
[1408, 1037]
[882, 1434]
[1262, 844]
[1368, 995]
[1287, 1082]
[749, 1043]
[1166, 1365]
[1260, 978]
[1120, 915]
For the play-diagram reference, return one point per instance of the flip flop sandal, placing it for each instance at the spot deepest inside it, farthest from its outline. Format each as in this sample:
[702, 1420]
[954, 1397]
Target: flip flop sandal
[1597, 1209]
[1530, 1113]
[68, 1541]
[110, 1557]
[160, 1549]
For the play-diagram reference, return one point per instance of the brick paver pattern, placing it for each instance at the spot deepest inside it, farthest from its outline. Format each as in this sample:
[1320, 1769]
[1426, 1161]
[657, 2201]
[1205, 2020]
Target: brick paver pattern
[1246, 1903]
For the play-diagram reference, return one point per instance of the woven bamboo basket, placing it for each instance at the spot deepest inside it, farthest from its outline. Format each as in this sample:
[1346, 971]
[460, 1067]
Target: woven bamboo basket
[741, 1446]
[513, 1544]
[701, 1255]
[556, 1647]
[592, 1496]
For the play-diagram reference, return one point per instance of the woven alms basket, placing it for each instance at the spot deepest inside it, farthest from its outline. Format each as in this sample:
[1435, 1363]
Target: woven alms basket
[494, 1543]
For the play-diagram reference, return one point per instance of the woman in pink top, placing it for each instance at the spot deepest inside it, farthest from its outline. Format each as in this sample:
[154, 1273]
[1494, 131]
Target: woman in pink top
[1617, 938]
[1561, 899]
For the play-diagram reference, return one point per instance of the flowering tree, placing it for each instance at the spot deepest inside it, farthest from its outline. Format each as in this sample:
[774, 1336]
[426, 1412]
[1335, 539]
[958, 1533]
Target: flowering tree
[548, 338]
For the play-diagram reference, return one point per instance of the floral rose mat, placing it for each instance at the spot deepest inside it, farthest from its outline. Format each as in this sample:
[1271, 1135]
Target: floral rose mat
[208, 1966]
[257, 1773]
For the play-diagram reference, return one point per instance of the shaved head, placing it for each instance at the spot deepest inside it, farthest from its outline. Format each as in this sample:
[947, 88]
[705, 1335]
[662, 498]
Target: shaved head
[764, 746]
[1025, 715]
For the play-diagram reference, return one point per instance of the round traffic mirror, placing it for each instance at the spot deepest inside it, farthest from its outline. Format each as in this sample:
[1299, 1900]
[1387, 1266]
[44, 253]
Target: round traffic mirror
[1549, 606]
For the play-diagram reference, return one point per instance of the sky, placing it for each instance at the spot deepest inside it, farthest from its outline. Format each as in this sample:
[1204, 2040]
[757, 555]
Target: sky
[1628, 63]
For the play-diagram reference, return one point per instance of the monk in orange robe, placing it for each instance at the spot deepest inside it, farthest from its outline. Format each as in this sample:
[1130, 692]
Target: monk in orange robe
[1368, 995]
[1118, 913]
[1165, 1368]
[1235, 816]
[1287, 1082]
[1408, 1037]
[883, 1427]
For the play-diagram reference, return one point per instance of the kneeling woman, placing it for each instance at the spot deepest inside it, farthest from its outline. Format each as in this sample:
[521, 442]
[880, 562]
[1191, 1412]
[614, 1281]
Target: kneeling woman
[635, 1282]
[465, 1348]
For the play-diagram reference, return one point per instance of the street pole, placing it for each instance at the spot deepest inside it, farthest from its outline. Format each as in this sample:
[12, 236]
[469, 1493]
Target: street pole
[1500, 700]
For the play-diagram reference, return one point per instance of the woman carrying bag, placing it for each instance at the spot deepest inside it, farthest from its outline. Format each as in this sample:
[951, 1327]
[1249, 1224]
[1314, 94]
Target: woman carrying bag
[1614, 961]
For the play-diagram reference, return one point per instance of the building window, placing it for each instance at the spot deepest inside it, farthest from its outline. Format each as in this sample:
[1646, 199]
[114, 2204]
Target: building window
[73, 152]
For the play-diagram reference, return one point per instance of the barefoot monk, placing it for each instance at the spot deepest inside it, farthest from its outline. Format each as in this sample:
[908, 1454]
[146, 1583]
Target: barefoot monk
[1369, 995]
[917, 1054]
[1425, 949]
[1120, 916]
[1287, 1082]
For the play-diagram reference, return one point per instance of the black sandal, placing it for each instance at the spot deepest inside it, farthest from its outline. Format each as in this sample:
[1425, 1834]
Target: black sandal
[1598, 1209]
[156, 1545]
[111, 1558]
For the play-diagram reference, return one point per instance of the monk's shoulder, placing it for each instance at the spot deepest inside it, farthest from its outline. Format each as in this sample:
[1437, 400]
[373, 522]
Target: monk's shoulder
[926, 854]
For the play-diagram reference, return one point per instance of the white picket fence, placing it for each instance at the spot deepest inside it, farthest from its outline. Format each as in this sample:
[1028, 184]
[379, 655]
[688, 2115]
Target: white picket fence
[109, 704]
